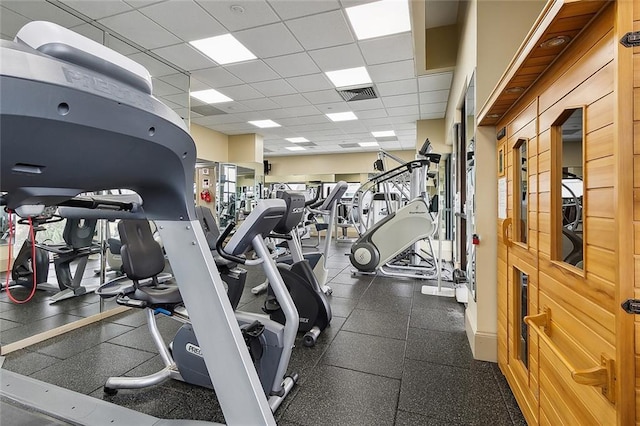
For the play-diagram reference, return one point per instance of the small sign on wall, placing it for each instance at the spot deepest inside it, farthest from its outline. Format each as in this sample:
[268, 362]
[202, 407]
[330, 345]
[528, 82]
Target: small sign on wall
[502, 198]
[205, 183]
[204, 171]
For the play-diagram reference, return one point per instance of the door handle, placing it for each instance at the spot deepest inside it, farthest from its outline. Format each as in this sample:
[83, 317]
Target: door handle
[506, 223]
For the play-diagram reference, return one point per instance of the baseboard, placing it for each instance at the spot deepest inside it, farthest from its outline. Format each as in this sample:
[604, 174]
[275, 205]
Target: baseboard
[484, 346]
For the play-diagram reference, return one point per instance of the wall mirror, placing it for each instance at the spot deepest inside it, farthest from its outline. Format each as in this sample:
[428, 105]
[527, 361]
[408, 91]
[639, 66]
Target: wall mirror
[568, 178]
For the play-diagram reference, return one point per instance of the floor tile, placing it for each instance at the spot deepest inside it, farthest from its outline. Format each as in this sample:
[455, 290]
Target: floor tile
[132, 317]
[342, 307]
[344, 397]
[385, 324]
[36, 327]
[437, 319]
[452, 394]
[103, 361]
[140, 338]
[381, 302]
[439, 347]
[6, 324]
[347, 278]
[369, 354]
[405, 418]
[425, 301]
[83, 339]
[391, 288]
[348, 291]
[26, 362]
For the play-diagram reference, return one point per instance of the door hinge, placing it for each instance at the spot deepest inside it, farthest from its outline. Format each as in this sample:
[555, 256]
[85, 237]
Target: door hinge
[631, 306]
[631, 39]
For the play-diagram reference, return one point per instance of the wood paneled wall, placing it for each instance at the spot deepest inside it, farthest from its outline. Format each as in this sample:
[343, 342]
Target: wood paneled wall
[636, 200]
[583, 303]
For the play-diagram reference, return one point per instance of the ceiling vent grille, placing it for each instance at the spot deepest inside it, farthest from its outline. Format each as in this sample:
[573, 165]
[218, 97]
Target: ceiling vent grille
[358, 94]
[349, 145]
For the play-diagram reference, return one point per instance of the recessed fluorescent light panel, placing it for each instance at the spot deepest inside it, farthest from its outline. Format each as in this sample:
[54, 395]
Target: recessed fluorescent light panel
[379, 18]
[297, 140]
[224, 49]
[342, 116]
[210, 96]
[295, 148]
[383, 134]
[349, 77]
[366, 144]
[263, 124]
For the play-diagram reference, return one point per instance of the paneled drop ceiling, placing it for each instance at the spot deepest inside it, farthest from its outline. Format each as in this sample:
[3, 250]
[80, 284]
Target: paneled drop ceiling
[295, 41]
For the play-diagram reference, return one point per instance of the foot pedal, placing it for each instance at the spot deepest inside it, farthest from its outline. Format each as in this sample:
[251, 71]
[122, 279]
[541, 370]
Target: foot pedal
[459, 276]
[251, 334]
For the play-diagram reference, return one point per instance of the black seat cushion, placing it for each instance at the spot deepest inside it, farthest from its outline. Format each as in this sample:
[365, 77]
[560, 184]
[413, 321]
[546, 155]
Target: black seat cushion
[142, 256]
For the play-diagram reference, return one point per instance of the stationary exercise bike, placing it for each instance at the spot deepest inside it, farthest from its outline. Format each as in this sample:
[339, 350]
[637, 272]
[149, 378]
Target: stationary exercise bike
[24, 264]
[311, 302]
[78, 246]
[269, 343]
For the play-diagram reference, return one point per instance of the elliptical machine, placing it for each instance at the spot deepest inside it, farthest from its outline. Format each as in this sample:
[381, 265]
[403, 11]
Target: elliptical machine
[311, 302]
[269, 343]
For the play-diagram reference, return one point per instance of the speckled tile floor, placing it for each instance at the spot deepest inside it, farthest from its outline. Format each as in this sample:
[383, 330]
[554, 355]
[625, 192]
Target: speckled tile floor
[392, 356]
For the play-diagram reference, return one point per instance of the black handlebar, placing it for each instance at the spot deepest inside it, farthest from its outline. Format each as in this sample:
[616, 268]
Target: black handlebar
[220, 249]
[312, 203]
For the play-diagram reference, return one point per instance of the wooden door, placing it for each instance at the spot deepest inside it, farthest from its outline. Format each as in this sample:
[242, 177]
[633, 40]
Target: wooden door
[570, 234]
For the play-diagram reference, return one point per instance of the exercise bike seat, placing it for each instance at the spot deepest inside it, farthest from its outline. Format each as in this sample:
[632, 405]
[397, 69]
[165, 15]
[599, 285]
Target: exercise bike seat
[212, 233]
[142, 258]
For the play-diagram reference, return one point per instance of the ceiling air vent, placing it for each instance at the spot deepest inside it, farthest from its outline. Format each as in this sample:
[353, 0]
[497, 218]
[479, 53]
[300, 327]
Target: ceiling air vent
[349, 145]
[358, 94]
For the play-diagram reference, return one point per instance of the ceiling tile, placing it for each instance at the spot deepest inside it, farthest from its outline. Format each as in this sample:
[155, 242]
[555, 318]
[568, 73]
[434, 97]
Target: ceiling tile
[372, 113]
[232, 107]
[141, 3]
[274, 87]
[432, 116]
[387, 49]
[252, 71]
[314, 119]
[42, 11]
[274, 114]
[433, 108]
[240, 92]
[322, 96]
[404, 110]
[260, 104]
[268, 41]
[181, 99]
[334, 107]
[255, 13]
[145, 32]
[289, 9]
[290, 100]
[400, 100]
[434, 96]
[293, 65]
[160, 88]
[119, 46]
[193, 23]
[400, 87]
[301, 111]
[401, 70]
[11, 22]
[216, 77]
[98, 9]
[184, 56]
[366, 104]
[154, 66]
[90, 32]
[322, 30]
[178, 80]
[339, 57]
[310, 83]
[431, 82]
